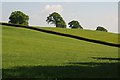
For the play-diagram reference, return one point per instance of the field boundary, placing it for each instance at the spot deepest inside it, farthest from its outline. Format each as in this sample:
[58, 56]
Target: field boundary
[63, 34]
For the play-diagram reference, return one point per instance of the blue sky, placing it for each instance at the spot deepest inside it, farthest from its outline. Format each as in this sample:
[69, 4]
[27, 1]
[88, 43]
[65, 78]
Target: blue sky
[89, 14]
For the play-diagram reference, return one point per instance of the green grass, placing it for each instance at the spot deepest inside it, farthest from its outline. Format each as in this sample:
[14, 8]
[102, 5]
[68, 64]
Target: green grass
[91, 34]
[0, 52]
[29, 53]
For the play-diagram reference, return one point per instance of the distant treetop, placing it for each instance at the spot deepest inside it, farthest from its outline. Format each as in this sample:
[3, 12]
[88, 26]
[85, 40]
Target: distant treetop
[56, 19]
[74, 24]
[18, 17]
[99, 28]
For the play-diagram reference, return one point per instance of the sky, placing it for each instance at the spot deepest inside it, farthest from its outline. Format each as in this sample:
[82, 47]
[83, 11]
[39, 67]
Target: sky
[60, 0]
[89, 14]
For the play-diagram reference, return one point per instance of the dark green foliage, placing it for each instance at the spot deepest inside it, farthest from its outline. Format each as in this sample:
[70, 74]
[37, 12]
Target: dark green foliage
[56, 19]
[18, 17]
[74, 24]
[101, 29]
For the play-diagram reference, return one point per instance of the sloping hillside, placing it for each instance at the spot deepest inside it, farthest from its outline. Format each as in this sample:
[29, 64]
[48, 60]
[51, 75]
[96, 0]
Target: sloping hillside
[26, 52]
[90, 34]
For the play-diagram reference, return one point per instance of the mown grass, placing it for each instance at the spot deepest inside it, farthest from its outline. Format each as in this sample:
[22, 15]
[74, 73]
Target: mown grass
[0, 48]
[90, 34]
[34, 54]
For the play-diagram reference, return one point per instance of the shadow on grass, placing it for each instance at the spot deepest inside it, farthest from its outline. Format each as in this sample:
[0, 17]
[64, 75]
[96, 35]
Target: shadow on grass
[105, 58]
[72, 70]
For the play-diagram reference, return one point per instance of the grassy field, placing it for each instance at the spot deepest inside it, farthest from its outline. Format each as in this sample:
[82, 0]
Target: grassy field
[0, 48]
[96, 35]
[0, 52]
[33, 54]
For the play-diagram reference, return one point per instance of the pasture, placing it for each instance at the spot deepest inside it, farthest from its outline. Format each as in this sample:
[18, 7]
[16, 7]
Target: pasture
[90, 34]
[33, 54]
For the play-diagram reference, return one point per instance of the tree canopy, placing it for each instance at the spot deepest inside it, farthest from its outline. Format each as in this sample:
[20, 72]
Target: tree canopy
[56, 19]
[18, 17]
[99, 28]
[74, 24]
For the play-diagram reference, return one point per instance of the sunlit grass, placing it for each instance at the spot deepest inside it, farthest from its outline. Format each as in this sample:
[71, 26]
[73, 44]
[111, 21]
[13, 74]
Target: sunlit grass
[23, 47]
[91, 34]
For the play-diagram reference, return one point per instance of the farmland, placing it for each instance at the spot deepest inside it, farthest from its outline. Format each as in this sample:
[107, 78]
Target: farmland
[91, 34]
[33, 54]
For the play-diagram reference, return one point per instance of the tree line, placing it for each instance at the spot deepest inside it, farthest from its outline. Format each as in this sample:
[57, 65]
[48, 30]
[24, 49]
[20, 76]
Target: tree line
[18, 17]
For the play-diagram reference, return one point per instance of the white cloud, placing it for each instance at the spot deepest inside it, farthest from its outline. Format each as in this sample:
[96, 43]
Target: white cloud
[53, 8]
